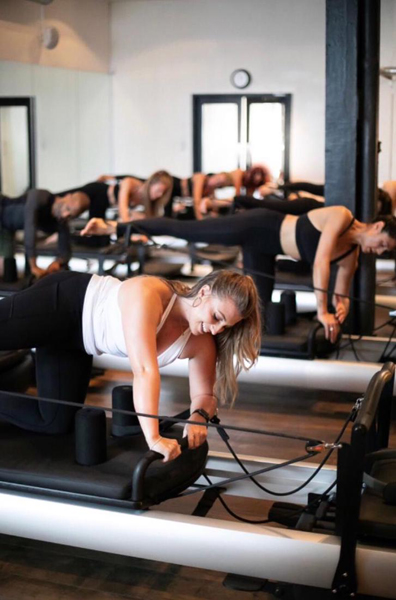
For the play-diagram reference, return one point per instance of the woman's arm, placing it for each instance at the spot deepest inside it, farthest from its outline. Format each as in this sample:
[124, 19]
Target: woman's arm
[345, 273]
[202, 377]
[106, 178]
[141, 309]
[198, 184]
[127, 187]
[237, 177]
[336, 221]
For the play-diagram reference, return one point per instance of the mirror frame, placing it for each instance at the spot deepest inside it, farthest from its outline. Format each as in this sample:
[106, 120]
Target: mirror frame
[29, 103]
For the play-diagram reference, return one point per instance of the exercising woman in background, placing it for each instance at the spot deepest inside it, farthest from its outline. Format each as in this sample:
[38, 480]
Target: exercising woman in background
[200, 187]
[153, 195]
[321, 237]
[128, 190]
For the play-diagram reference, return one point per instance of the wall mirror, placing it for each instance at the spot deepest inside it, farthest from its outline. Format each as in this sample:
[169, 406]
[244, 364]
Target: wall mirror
[17, 150]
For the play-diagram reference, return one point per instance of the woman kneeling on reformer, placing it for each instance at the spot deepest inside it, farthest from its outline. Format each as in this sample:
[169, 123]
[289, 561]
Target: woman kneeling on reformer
[69, 317]
[321, 237]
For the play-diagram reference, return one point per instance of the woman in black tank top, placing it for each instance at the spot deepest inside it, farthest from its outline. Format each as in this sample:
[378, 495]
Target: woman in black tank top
[321, 237]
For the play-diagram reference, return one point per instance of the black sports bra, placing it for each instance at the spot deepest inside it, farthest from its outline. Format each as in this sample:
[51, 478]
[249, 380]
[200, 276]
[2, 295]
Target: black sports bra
[307, 239]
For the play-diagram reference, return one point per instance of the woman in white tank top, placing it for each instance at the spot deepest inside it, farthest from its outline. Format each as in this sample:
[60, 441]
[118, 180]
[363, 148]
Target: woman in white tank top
[69, 317]
[153, 322]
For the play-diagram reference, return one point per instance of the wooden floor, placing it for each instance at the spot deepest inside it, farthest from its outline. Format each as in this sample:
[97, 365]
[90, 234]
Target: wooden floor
[30, 569]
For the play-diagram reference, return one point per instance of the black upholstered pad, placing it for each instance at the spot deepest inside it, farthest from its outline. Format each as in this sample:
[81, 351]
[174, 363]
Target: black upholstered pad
[300, 340]
[8, 289]
[217, 252]
[377, 516]
[48, 462]
[377, 519]
[162, 269]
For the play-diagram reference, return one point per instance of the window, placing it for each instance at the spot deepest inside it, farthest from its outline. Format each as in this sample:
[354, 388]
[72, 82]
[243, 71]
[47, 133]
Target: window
[238, 131]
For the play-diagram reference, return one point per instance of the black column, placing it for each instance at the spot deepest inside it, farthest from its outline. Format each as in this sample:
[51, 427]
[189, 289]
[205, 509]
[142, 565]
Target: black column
[352, 76]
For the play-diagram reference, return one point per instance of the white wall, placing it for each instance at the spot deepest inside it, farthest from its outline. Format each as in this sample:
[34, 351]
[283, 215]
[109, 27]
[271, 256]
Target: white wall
[163, 51]
[83, 26]
[387, 132]
[72, 121]
[70, 83]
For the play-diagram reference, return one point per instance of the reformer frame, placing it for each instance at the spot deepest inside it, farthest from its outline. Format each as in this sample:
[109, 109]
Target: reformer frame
[320, 560]
[337, 375]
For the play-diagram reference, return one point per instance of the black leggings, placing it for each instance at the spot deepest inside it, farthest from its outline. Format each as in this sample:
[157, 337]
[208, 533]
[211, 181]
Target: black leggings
[257, 231]
[317, 189]
[300, 206]
[48, 317]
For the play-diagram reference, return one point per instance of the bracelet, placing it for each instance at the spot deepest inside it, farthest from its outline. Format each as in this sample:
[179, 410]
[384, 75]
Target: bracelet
[155, 443]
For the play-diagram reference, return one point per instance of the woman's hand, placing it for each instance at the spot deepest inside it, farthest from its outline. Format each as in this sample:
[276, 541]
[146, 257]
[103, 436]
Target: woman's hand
[99, 227]
[205, 206]
[55, 266]
[168, 447]
[38, 272]
[341, 305]
[196, 434]
[267, 188]
[137, 238]
[331, 326]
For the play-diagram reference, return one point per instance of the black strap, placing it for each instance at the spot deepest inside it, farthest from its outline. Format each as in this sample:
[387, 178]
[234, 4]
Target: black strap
[347, 227]
[347, 253]
[206, 502]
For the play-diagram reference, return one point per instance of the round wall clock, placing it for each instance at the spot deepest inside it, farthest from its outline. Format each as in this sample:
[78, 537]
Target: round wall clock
[240, 78]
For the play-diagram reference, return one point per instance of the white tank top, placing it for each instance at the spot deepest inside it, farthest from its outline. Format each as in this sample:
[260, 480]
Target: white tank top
[102, 325]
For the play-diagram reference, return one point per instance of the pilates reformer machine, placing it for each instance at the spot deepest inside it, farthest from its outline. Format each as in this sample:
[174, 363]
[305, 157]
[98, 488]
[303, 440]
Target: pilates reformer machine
[107, 255]
[335, 535]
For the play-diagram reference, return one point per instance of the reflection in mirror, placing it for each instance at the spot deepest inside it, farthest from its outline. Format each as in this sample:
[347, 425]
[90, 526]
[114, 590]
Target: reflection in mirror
[266, 136]
[14, 150]
[219, 137]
